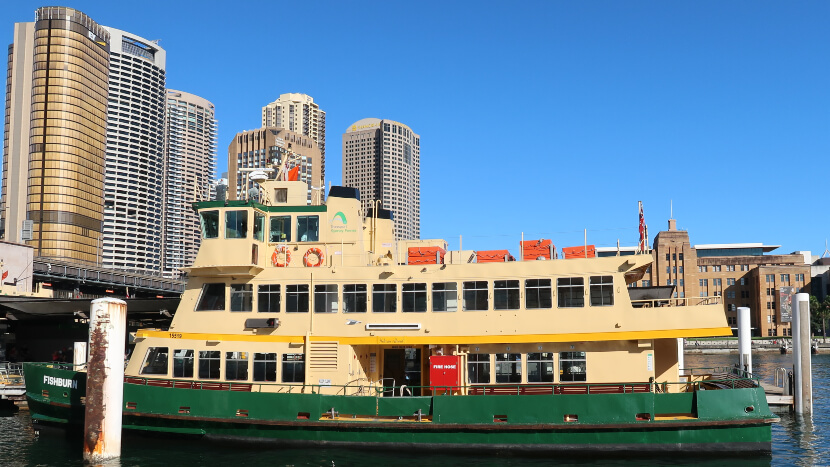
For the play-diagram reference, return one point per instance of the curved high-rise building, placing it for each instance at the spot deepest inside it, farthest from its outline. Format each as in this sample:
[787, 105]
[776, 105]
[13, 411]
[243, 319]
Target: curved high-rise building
[190, 164]
[55, 139]
[382, 158]
[133, 192]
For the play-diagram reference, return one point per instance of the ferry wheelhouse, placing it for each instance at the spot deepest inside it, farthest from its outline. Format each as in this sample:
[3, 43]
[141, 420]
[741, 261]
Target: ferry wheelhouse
[310, 325]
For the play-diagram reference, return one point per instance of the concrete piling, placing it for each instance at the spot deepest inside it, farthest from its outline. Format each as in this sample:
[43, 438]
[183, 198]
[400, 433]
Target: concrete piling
[105, 380]
[79, 354]
[744, 339]
[802, 360]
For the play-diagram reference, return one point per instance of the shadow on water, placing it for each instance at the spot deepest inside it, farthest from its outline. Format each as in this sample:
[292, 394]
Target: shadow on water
[797, 440]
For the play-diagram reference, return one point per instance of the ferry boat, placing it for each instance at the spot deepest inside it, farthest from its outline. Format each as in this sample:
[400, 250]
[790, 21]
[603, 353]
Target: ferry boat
[308, 324]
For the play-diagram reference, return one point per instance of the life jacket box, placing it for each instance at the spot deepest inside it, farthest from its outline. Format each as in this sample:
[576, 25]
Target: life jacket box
[535, 249]
[444, 374]
[573, 252]
[494, 256]
[425, 255]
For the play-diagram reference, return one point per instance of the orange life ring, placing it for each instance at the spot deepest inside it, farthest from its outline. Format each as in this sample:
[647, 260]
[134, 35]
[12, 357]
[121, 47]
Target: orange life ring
[275, 257]
[317, 252]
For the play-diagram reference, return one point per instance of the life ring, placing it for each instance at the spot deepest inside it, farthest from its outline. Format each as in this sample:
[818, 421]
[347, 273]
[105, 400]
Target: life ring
[275, 257]
[318, 253]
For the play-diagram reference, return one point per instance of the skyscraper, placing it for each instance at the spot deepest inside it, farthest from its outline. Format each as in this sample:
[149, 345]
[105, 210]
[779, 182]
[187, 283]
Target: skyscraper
[298, 113]
[190, 164]
[263, 147]
[55, 134]
[135, 152]
[382, 158]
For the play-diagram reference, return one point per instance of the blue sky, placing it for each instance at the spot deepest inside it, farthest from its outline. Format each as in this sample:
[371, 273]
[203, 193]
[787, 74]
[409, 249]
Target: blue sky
[539, 117]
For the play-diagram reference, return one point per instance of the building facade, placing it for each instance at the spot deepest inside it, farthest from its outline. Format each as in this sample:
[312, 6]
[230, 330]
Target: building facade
[133, 181]
[382, 158]
[263, 147]
[190, 162]
[55, 135]
[299, 113]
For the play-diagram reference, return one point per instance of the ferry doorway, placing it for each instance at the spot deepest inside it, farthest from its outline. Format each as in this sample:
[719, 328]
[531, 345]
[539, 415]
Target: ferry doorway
[402, 367]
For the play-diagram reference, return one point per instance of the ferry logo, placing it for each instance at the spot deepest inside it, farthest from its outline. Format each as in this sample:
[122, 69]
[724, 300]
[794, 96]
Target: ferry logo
[60, 382]
[340, 216]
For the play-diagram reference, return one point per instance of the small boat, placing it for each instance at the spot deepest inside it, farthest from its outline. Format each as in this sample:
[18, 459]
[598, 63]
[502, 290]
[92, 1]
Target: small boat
[814, 348]
[311, 325]
[783, 349]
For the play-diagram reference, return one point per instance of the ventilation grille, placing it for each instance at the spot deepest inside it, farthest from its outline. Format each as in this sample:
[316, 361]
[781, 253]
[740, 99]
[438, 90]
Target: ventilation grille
[323, 356]
[393, 327]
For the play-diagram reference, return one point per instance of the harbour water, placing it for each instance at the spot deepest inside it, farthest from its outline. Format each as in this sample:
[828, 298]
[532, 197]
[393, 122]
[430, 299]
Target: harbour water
[796, 441]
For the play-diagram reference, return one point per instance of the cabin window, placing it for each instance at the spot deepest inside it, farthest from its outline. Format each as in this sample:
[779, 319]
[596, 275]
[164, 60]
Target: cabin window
[281, 195]
[280, 229]
[538, 293]
[602, 290]
[265, 367]
[183, 363]
[325, 298]
[296, 298]
[508, 368]
[384, 298]
[571, 291]
[478, 368]
[155, 362]
[210, 224]
[212, 297]
[506, 295]
[293, 368]
[242, 297]
[236, 366]
[414, 297]
[354, 298]
[444, 296]
[236, 224]
[308, 228]
[475, 295]
[572, 366]
[268, 298]
[540, 367]
[259, 226]
[209, 361]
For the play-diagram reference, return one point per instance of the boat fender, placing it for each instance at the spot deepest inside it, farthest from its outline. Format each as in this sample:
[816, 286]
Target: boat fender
[314, 251]
[275, 257]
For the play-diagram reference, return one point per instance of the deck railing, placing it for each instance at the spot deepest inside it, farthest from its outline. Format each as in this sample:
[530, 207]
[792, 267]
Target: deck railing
[672, 302]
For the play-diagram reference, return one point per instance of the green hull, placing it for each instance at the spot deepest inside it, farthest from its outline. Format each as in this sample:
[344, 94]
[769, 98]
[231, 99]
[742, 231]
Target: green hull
[716, 420]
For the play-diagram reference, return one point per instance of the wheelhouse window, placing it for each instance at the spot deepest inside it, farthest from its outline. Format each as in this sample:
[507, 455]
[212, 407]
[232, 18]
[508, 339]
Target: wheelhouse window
[602, 290]
[236, 224]
[572, 366]
[212, 297]
[475, 295]
[478, 368]
[508, 368]
[265, 367]
[210, 223]
[538, 293]
[155, 362]
[571, 291]
[268, 298]
[384, 298]
[242, 297]
[506, 295]
[209, 361]
[444, 296]
[236, 366]
[259, 226]
[355, 297]
[308, 228]
[293, 368]
[414, 297]
[296, 298]
[280, 230]
[540, 367]
[325, 298]
[183, 363]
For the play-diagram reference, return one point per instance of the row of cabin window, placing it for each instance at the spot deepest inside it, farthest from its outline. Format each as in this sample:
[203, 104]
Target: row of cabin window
[539, 367]
[279, 227]
[156, 363]
[414, 297]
